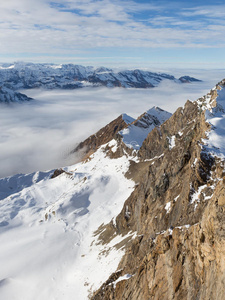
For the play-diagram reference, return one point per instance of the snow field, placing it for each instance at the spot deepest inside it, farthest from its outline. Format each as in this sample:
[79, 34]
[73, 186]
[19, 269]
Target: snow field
[48, 248]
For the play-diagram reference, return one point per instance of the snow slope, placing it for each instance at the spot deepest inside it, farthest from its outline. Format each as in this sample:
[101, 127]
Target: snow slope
[48, 246]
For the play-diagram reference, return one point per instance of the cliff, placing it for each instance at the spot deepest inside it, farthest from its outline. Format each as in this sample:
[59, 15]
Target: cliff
[177, 211]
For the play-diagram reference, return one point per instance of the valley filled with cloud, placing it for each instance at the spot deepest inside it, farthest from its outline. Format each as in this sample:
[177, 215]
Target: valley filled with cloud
[39, 135]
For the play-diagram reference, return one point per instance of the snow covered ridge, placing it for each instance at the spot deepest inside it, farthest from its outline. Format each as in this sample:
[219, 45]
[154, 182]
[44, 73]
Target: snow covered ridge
[28, 75]
[8, 95]
[49, 248]
[126, 132]
[214, 105]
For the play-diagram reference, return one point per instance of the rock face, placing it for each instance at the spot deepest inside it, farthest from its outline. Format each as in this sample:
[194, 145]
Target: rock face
[178, 212]
[103, 136]
[28, 75]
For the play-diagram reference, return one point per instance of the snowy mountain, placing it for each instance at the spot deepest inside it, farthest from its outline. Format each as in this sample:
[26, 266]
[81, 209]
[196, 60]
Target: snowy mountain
[187, 79]
[8, 95]
[61, 210]
[136, 132]
[139, 220]
[28, 75]
[132, 132]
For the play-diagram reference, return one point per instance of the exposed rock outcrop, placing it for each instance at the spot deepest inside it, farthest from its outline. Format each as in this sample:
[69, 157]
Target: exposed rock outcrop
[103, 136]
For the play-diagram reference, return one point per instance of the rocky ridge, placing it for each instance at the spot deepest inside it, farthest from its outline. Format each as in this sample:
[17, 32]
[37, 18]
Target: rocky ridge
[128, 132]
[176, 210]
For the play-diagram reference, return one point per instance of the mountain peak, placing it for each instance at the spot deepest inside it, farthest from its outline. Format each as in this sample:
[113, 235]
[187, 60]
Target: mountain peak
[132, 132]
[136, 132]
[127, 119]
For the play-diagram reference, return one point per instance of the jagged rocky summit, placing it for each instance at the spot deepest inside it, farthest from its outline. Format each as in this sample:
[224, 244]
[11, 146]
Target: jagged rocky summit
[126, 129]
[141, 216]
[68, 76]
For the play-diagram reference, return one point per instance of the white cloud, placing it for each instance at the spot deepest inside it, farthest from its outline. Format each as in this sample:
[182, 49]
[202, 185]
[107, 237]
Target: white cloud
[208, 11]
[40, 134]
[43, 27]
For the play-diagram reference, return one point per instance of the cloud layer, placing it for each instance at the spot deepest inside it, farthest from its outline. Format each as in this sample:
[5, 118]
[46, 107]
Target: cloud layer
[51, 28]
[39, 135]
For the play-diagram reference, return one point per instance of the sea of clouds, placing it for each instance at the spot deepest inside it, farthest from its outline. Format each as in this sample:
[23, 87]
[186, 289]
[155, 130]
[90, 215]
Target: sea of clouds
[39, 135]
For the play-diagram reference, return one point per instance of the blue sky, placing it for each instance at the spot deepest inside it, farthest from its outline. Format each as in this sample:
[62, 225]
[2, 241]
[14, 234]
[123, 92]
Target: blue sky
[180, 34]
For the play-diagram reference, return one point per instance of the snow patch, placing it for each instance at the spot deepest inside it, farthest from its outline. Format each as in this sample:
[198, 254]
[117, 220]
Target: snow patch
[124, 277]
[171, 140]
[113, 145]
[180, 133]
[195, 198]
[194, 163]
[168, 207]
[176, 198]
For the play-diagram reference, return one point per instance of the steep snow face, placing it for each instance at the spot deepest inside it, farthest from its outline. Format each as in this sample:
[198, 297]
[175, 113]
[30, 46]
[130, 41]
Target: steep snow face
[48, 246]
[216, 117]
[134, 135]
[159, 113]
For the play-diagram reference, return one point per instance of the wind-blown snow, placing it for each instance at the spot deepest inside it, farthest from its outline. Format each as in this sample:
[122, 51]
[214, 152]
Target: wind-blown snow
[48, 248]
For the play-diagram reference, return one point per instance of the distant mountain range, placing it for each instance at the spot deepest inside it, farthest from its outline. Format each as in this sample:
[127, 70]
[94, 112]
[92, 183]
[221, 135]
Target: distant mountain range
[50, 76]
